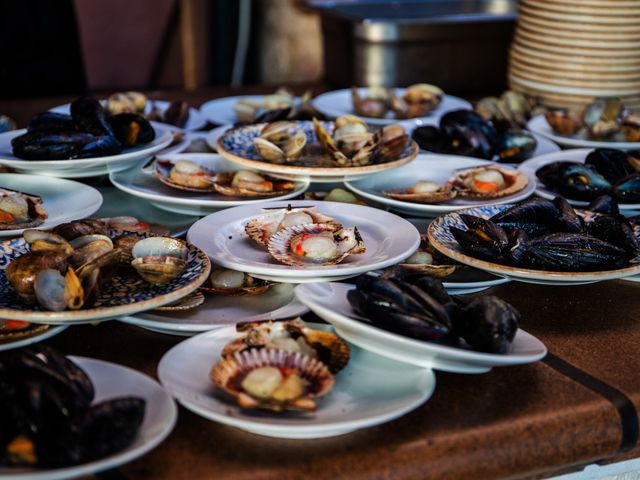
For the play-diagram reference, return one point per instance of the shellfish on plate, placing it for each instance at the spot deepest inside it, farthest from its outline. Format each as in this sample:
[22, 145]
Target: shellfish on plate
[488, 182]
[428, 261]
[280, 142]
[189, 176]
[271, 220]
[20, 210]
[233, 282]
[424, 191]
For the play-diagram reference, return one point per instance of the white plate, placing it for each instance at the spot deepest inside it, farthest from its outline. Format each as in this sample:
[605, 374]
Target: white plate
[338, 102]
[140, 182]
[118, 203]
[438, 169]
[39, 337]
[574, 155]
[544, 144]
[538, 124]
[223, 310]
[82, 167]
[111, 381]
[387, 237]
[329, 302]
[196, 120]
[220, 110]
[370, 390]
[63, 200]
[443, 241]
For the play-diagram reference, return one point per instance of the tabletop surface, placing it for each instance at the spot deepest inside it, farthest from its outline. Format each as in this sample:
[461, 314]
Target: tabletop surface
[575, 407]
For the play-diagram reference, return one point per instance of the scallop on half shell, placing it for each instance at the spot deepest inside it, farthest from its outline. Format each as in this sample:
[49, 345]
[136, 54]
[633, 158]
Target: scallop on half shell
[488, 182]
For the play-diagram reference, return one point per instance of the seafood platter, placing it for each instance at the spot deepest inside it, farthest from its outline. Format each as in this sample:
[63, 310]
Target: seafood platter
[542, 241]
[496, 129]
[177, 114]
[94, 269]
[304, 241]
[606, 123]
[199, 184]
[85, 143]
[323, 151]
[426, 187]
[383, 106]
[582, 175]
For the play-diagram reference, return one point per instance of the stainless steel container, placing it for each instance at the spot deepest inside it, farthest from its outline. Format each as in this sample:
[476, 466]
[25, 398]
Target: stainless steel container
[458, 45]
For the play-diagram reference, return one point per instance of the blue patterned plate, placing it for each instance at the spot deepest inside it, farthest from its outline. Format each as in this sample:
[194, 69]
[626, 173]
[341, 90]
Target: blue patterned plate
[125, 294]
[237, 145]
[442, 239]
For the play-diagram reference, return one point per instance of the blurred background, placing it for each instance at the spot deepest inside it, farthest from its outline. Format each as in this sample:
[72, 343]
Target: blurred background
[72, 46]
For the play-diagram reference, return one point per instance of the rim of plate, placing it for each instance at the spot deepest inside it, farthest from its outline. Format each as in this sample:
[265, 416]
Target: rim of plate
[340, 426]
[102, 313]
[446, 207]
[65, 183]
[215, 133]
[539, 125]
[192, 202]
[330, 111]
[470, 356]
[243, 213]
[163, 138]
[311, 171]
[570, 155]
[521, 273]
[116, 459]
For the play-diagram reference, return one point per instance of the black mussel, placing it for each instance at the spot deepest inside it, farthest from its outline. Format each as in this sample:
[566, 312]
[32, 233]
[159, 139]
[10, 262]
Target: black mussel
[514, 146]
[50, 146]
[468, 133]
[634, 221]
[89, 116]
[483, 238]
[100, 147]
[51, 122]
[551, 174]
[575, 252]
[628, 189]
[610, 163]
[431, 138]
[78, 228]
[274, 115]
[487, 324]
[582, 183]
[535, 216]
[567, 220]
[516, 253]
[132, 129]
[177, 114]
[614, 229]
[604, 204]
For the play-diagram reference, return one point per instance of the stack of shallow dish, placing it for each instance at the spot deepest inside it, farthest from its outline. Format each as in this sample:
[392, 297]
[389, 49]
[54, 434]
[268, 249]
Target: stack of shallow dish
[566, 52]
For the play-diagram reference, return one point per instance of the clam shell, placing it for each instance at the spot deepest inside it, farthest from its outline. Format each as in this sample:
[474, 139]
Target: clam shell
[514, 182]
[266, 224]
[160, 247]
[279, 245]
[229, 372]
[40, 240]
[159, 270]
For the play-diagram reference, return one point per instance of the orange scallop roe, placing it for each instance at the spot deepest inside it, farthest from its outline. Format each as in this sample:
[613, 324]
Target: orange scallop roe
[6, 217]
[486, 186]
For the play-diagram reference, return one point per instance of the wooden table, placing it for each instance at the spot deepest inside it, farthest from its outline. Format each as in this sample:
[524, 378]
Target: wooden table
[577, 406]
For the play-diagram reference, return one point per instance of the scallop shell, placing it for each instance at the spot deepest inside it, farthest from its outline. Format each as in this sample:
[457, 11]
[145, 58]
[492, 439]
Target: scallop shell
[243, 188]
[251, 286]
[162, 172]
[261, 228]
[443, 195]
[514, 182]
[28, 206]
[229, 373]
[347, 241]
[438, 271]
[189, 302]
[331, 349]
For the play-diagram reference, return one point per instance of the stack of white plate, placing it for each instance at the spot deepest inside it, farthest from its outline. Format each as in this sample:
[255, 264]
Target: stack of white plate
[566, 52]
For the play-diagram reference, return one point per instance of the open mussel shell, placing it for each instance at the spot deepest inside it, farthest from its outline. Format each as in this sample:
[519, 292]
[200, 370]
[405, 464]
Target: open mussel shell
[20, 210]
[132, 129]
[273, 379]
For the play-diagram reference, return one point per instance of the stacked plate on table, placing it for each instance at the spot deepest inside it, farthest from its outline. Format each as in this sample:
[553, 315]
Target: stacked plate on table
[565, 53]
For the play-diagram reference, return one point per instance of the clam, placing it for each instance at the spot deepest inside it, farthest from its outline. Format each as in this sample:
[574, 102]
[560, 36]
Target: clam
[353, 147]
[127, 102]
[89, 247]
[602, 117]
[318, 244]
[159, 260]
[418, 100]
[40, 240]
[56, 292]
[233, 282]
[423, 191]
[563, 122]
[280, 142]
[22, 271]
[78, 228]
[631, 127]
[488, 182]
[270, 379]
[375, 104]
[270, 221]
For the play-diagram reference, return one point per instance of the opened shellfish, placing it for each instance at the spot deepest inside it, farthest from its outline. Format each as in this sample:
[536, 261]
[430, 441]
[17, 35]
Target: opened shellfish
[417, 100]
[159, 259]
[280, 142]
[423, 191]
[488, 182]
[233, 282]
[20, 210]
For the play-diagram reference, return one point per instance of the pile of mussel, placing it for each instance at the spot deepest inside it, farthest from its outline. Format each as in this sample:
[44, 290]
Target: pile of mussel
[550, 235]
[603, 119]
[66, 269]
[87, 133]
[418, 306]
[48, 419]
[605, 172]
[465, 132]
